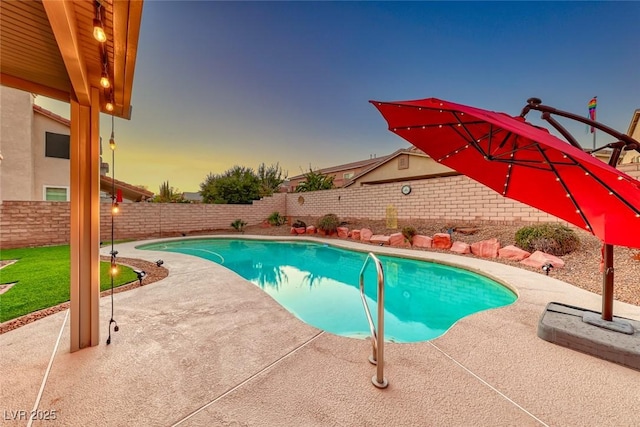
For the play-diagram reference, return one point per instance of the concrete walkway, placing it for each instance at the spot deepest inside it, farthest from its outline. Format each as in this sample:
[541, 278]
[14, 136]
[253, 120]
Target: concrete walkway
[204, 347]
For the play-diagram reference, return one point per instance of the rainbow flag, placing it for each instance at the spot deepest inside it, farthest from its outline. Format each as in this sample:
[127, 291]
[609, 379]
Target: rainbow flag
[592, 110]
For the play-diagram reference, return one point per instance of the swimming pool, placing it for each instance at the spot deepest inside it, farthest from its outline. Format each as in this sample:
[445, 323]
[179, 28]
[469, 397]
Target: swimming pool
[319, 284]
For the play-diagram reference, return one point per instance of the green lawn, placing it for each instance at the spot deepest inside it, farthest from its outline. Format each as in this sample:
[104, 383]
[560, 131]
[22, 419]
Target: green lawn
[43, 276]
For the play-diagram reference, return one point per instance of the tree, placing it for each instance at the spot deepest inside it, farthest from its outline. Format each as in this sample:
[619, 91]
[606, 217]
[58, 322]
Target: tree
[270, 179]
[168, 194]
[315, 181]
[238, 185]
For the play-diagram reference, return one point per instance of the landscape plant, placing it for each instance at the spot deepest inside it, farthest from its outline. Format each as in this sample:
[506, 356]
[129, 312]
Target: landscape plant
[552, 238]
[314, 181]
[239, 224]
[43, 279]
[408, 232]
[329, 223]
[276, 219]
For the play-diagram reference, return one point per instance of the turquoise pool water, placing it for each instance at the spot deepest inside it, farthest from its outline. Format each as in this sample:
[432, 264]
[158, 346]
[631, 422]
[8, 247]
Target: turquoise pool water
[319, 284]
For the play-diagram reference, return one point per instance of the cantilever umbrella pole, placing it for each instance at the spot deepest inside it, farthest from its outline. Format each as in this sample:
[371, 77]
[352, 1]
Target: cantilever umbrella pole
[607, 284]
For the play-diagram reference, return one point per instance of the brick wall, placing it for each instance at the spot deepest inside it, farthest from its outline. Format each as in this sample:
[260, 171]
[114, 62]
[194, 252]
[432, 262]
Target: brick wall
[24, 224]
[454, 198]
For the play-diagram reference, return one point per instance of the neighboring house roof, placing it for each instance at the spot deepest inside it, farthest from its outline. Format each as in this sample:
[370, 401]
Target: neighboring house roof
[52, 116]
[412, 151]
[346, 166]
[192, 196]
[634, 123]
[129, 192]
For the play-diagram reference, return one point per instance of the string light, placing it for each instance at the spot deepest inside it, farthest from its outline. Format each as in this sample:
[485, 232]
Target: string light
[104, 80]
[98, 29]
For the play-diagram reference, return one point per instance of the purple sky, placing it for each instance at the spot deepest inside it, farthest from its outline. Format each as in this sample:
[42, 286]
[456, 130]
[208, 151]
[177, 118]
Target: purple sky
[219, 84]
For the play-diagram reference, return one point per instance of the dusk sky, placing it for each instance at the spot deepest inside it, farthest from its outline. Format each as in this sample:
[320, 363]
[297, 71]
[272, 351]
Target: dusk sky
[219, 84]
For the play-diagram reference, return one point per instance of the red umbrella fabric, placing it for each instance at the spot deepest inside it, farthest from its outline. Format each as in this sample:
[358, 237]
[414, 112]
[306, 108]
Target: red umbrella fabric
[523, 162]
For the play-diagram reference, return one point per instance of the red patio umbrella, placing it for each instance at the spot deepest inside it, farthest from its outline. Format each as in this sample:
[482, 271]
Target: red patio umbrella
[526, 163]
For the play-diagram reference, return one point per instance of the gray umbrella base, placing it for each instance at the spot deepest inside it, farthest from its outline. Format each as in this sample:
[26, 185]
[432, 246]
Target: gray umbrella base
[582, 330]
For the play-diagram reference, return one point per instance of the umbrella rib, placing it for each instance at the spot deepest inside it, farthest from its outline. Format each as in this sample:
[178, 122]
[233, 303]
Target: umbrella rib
[575, 204]
[426, 126]
[605, 185]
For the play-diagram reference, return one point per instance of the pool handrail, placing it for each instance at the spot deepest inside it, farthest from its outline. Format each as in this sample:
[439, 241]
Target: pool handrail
[377, 338]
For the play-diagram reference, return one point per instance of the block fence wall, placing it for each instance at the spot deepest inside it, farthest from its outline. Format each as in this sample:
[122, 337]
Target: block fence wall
[456, 198]
[24, 224]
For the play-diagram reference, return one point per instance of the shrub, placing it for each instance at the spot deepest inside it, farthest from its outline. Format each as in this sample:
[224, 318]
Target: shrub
[299, 224]
[276, 219]
[329, 223]
[408, 232]
[238, 224]
[554, 239]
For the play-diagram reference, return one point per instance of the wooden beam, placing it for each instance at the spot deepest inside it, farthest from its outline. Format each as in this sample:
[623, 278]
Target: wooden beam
[29, 86]
[63, 24]
[127, 17]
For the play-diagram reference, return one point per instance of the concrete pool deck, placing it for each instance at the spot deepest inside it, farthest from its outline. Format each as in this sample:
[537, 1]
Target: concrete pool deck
[203, 347]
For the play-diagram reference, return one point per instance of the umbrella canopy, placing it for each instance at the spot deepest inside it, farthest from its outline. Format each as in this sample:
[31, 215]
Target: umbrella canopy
[523, 162]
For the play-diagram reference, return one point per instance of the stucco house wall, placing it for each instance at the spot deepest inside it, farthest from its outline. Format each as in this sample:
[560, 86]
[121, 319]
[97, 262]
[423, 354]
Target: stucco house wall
[16, 124]
[49, 171]
[401, 167]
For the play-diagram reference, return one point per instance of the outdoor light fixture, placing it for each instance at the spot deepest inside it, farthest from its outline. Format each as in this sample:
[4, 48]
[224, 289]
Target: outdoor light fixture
[98, 29]
[115, 208]
[141, 274]
[547, 268]
[109, 106]
[114, 269]
[159, 262]
[104, 80]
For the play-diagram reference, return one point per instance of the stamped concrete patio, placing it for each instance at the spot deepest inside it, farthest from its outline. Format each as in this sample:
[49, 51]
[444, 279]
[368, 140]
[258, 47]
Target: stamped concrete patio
[204, 347]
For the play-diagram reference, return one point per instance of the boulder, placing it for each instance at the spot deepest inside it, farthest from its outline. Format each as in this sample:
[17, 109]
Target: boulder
[365, 234]
[441, 241]
[460, 248]
[379, 239]
[398, 240]
[293, 231]
[343, 232]
[420, 241]
[513, 253]
[538, 259]
[311, 229]
[355, 234]
[486, 248]
[301, 230]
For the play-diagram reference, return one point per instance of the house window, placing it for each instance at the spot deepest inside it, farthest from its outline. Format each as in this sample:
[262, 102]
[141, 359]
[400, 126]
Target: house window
[56, 194]
[348, 175]
[403, 161]
[56, 145]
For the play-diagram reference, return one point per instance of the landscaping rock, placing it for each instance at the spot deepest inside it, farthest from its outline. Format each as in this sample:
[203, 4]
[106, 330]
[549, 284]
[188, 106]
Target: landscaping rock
[486, 248]
[379, 239]
[343, 232]
[441, 241]
[355, 234]
[538, 259]
[513, 253]
[365, 234]
[293, 231]
[311, 229]
[300, 230]
[398, 240]
[460, 248]
[420, 241]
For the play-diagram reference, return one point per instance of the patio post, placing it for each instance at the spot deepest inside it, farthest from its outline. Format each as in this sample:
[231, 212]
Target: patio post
[85, 222]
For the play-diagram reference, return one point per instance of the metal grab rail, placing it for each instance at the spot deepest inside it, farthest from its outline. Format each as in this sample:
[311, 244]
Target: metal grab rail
[377, 338]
